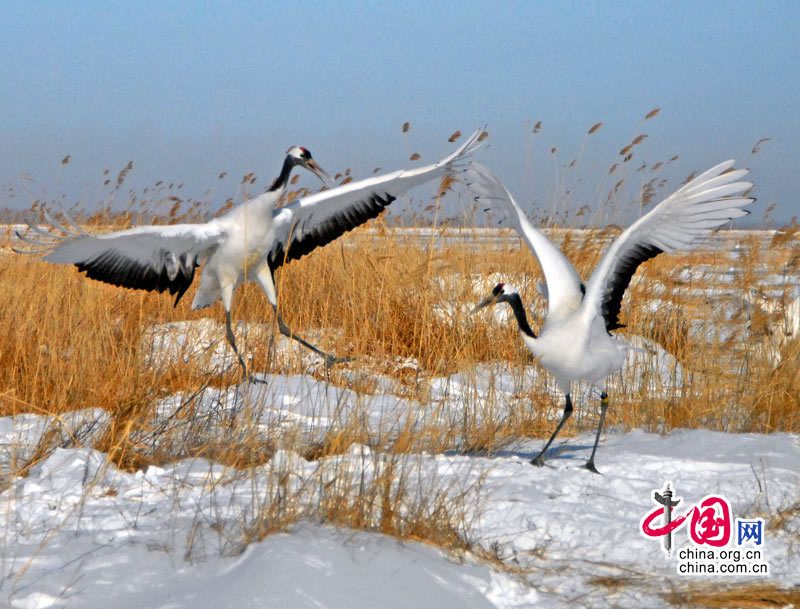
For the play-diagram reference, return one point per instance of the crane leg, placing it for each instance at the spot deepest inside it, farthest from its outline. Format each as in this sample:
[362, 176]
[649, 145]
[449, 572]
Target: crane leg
[603, 407]
[330, 360]
[232, 341]
[226, 294]
[539, 459]
[265, 279]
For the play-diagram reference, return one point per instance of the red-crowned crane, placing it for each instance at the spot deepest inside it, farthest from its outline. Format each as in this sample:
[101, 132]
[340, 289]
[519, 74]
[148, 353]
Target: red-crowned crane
[575, 342]
[246, 244]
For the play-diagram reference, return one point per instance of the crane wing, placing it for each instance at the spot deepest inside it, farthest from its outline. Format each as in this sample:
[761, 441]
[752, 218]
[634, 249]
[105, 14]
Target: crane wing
[152, 258]
[564, 289]
[704, 203]
[316, 220]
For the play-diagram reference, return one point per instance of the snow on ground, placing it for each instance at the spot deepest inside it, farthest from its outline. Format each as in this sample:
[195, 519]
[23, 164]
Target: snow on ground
[586, 526]
[300, 408]
[158, 540]
[77, 532]
[203, 342]
[20, 435]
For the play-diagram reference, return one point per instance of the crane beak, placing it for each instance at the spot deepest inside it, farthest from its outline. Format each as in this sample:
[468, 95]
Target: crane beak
[489, 300]
[318, 171]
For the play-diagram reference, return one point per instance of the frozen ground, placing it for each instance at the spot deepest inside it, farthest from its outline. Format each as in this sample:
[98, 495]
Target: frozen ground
[77, 532]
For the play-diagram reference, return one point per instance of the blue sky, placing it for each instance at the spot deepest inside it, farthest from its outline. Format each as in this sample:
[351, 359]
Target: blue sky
[187, 90]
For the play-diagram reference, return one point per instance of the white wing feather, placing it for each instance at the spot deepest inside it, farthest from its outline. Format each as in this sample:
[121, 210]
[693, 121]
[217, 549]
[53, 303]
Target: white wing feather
[318, 219]
[563, 289]
[706, 202]
[156, 258]
[145, 245]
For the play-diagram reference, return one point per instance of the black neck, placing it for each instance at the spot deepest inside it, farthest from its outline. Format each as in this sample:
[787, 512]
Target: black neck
[519, 312]
[283, 179]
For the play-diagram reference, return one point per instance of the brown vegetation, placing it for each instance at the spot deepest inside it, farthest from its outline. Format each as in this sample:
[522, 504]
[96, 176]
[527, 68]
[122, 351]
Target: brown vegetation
[379, 294]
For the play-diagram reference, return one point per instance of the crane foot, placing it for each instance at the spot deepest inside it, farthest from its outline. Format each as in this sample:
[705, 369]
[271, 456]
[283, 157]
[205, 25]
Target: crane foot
[590, 466]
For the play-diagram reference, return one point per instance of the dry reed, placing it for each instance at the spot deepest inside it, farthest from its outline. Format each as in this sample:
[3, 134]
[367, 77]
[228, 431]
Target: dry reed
[378, 294]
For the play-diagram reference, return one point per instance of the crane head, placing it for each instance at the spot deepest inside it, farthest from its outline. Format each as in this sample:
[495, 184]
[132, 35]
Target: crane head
[502, 292]
[301, 157]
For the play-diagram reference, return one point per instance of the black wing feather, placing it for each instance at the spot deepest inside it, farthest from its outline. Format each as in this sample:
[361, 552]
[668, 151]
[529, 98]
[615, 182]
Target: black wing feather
[623, 271]
[117, 269]
[333, 228]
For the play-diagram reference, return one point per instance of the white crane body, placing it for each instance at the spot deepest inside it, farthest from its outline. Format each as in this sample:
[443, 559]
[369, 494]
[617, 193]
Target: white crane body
[593, 354]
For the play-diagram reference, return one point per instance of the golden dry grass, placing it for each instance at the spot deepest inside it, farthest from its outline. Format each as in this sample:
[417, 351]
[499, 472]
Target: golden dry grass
[384, 494]
[741, 596]
[749, 595]
[377, 294]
